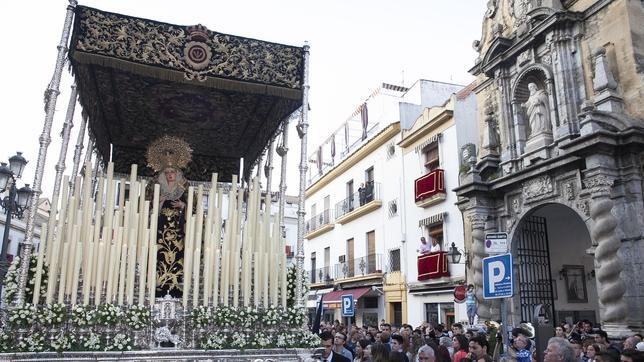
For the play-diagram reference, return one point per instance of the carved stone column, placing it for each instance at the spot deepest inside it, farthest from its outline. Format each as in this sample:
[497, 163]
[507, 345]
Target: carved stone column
[477, 221]
[608, 266]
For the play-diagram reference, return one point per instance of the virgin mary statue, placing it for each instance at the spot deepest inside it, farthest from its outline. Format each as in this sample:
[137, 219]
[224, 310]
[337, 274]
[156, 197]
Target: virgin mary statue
[168, 156]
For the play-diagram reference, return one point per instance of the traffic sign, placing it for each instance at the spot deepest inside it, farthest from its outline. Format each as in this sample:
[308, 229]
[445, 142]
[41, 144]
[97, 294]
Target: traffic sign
[497, 277]
[496, 243]
[347, 306]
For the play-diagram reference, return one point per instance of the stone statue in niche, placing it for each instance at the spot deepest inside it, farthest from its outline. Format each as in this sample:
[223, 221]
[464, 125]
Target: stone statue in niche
[537, 110]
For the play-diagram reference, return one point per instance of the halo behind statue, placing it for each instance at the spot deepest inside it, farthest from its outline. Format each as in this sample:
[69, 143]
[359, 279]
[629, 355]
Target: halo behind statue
[168, 151]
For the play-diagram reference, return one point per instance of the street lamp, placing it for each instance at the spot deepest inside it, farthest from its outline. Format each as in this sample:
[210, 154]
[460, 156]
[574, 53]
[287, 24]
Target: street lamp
[14, 204]
[455, 255]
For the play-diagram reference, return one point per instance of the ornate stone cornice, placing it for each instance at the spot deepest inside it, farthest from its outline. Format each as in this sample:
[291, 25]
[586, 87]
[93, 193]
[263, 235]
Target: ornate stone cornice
[598, 185]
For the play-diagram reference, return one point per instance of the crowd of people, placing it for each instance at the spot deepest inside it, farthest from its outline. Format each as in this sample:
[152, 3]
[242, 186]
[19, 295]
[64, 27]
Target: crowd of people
[385, 343]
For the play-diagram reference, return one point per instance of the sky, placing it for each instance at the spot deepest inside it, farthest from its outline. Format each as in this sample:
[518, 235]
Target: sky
[355, 46]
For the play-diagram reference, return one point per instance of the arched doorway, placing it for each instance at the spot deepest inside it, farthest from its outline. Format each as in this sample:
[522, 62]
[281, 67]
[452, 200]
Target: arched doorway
[554, 266]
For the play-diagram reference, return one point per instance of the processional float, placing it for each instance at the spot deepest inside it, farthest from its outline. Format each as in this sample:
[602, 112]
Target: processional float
[150, 91]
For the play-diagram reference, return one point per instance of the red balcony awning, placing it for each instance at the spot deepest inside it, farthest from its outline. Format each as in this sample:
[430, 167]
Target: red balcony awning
[335, 297]
[429, 185]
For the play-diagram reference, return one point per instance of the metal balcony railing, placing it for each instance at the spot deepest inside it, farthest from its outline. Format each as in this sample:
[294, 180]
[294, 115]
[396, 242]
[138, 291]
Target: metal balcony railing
[319, 220]
[321, 275]
[429, 185]
[366, 194]
[365, 265]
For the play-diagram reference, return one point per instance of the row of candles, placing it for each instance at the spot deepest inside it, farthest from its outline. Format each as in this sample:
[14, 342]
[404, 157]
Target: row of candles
[110, 252]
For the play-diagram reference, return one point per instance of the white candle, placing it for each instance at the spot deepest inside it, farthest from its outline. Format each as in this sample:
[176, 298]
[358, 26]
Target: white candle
[131, 264]
[122, 271]
[114, 264]
[98, 290]
[215, 288]
[206, 274]
[87, 271]
[63, 274]
[256, 273]
[77, 265]
[152, 270]
[143, 266]
[284, 278]
[41, 256]
[195, 272]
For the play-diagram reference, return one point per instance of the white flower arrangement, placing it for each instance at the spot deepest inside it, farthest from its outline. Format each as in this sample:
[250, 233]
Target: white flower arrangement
[291, 282]
[11, 280]
[6, 341]
[137, 317]
[247, 317]
[52, 315]
[92, 342]
[215, 341]
[83, 316]
[240, 340]
[262, 340]
[35, 342]
[62, 343]
[294, 317]
[108, 314]
[200, 317]
[224, 317]
[271, 316]
[120, 342]
[23, 315]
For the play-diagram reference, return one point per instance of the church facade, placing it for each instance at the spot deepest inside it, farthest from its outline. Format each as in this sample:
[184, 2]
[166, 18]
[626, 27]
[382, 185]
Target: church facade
[559, 162]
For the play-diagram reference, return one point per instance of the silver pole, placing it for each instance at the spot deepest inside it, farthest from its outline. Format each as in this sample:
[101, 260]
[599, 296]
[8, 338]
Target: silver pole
[67, 129]
[282, 150]
[45, 138]
[302, 128]
[269, 166]
[77, 153]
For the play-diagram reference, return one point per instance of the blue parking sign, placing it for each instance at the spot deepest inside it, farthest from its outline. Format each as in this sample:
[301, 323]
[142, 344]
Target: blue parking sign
[347, 306]
[497, 277]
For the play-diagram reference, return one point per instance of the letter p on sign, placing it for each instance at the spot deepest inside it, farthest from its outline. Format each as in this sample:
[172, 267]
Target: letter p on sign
[496, 271]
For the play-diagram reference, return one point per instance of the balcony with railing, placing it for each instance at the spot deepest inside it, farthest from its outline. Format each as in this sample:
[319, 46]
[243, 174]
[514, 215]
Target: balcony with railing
[319, 224]
[360, 203]
[372, 264]
[429, 189]
[321, 275]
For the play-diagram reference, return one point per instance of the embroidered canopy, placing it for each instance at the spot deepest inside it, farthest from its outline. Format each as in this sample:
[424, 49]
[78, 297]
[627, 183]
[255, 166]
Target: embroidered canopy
[140, 79]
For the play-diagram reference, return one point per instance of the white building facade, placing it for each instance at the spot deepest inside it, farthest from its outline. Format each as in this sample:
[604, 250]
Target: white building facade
[362, 222]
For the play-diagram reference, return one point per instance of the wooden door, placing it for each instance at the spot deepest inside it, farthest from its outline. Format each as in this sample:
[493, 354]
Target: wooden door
[350, 257]
[371, 252]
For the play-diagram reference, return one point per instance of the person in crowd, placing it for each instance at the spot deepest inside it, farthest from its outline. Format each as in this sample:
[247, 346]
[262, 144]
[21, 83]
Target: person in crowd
[630, 342]
[328, 354]
[520, 346]
[442, 354]
[591, 351]
[469, 335]
[559, 332]
[632, 355]
[457, 328]
[607, 356]
[385, 338]
[447, 343]
[426, 354]
[478, 348]
[379, 353]
[440, 331]
[361, 354]
[339, 345]
[578, 348]
[559, 350]
[424, 247]
[461, 348]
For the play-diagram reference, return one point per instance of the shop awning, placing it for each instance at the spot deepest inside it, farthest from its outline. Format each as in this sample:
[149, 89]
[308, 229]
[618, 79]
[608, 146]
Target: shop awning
[335, 297]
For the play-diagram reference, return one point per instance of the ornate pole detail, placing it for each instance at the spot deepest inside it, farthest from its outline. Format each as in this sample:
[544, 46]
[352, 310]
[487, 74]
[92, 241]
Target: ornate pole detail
[282, 150]
[608, 266]
[67, 128]
[78, 150]
[51, 95]
[268, 167]
[301, 130]
[478, 253]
